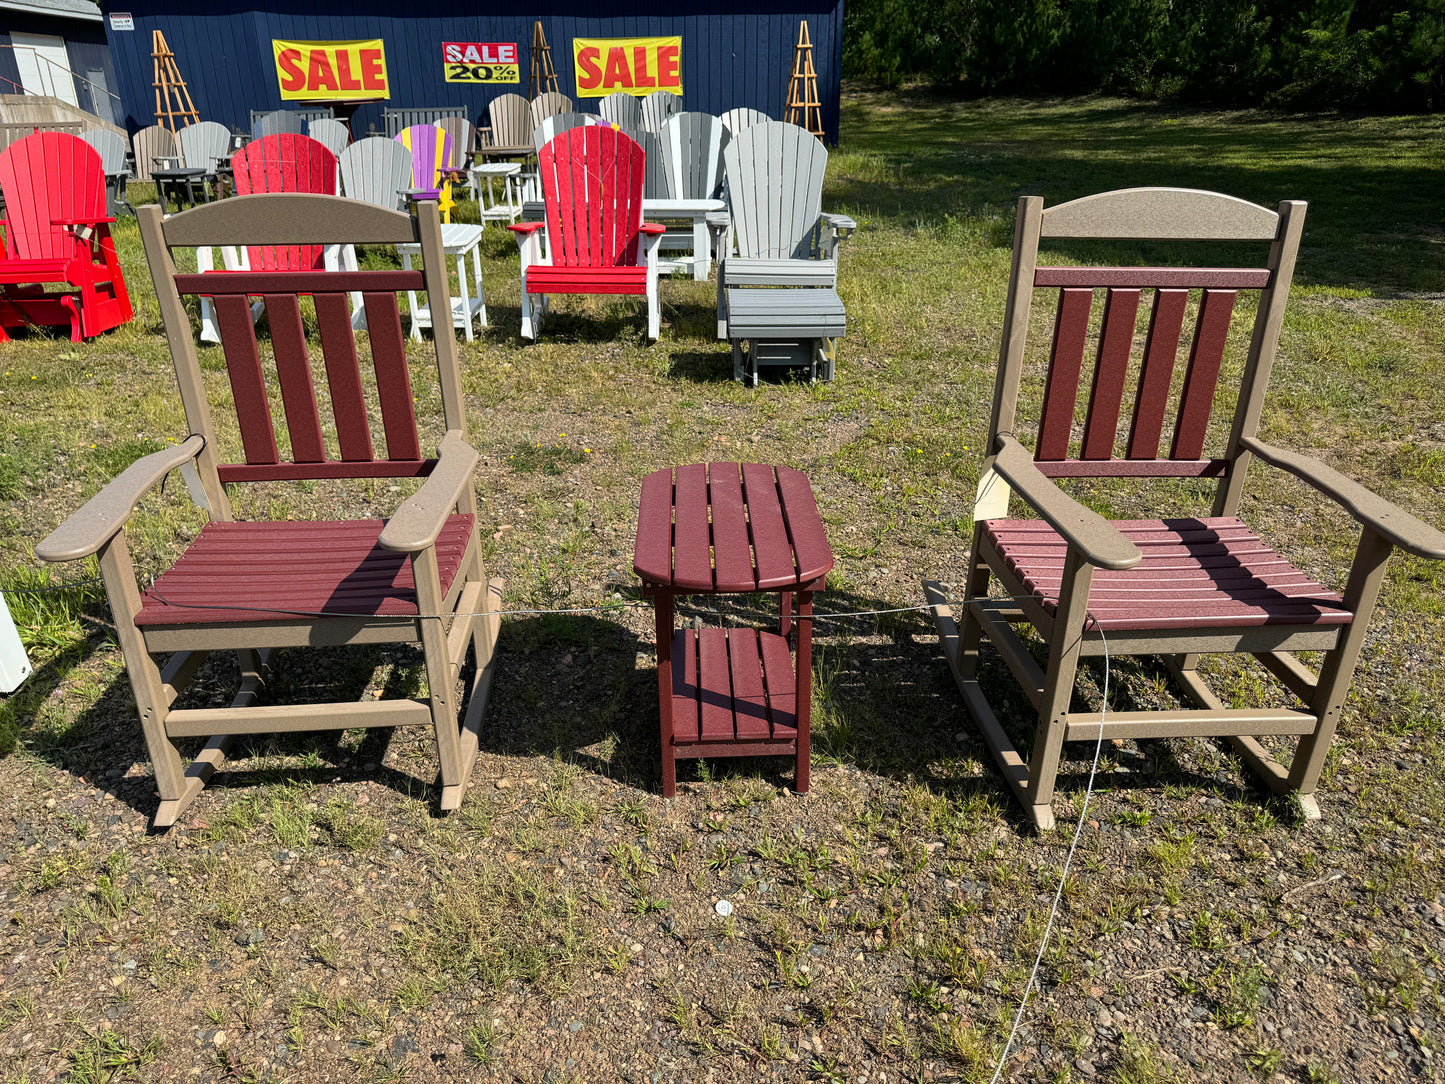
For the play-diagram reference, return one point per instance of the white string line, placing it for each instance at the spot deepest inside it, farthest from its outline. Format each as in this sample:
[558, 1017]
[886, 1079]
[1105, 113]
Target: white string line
[1068, 859]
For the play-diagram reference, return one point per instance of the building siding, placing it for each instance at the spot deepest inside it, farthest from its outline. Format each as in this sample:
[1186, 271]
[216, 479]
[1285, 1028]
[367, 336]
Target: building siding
[734, 55]
[85, 44]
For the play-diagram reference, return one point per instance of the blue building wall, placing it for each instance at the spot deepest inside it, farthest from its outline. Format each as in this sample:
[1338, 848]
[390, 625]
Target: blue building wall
[85, 44]
[734, 52]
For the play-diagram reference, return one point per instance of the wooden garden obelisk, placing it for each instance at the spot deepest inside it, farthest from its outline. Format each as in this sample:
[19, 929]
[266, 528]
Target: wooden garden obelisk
[803, 108]
[173, 100]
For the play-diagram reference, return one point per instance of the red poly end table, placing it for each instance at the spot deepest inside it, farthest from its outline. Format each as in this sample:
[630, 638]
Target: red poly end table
[724, 528]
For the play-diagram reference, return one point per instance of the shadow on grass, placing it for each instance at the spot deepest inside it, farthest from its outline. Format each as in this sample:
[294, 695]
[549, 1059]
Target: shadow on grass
[583, 689]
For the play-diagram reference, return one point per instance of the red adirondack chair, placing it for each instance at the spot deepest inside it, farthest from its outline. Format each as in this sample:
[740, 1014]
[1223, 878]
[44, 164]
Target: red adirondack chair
[597, 242]
[57, 231]
[286, 162]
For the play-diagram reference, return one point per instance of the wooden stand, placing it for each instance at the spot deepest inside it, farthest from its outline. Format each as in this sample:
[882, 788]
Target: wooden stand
[170, 87]
[803, 108]
[544, 76]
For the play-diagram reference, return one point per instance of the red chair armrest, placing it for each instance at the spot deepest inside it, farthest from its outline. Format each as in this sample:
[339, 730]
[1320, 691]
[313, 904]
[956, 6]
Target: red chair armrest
[526, 227]
[652, 228]
[81, 221]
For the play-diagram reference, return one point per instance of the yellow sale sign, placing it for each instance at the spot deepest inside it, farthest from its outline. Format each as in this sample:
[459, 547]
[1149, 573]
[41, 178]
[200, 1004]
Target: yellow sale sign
[331, 70]
[634, 65]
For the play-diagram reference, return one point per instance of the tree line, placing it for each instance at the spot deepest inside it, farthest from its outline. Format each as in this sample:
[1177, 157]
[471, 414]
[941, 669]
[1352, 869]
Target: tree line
[1371, 54]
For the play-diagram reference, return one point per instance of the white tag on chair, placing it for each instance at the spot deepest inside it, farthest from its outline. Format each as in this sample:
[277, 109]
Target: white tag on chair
[192, 479]
[991, 500]
[14, 663]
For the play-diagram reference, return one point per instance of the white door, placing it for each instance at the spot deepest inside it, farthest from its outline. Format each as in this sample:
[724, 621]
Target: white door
[44, 66]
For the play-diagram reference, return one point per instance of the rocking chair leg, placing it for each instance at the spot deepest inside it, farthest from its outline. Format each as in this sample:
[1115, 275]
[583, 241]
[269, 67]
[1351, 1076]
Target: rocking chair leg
[970, 632]
[1058, 687]
[1363, 588]
[439, 677]
[145, 681]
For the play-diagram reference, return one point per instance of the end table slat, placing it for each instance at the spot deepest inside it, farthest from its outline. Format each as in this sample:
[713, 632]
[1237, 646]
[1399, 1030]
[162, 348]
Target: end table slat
[772, 550]
[732, 552]
[692, 541]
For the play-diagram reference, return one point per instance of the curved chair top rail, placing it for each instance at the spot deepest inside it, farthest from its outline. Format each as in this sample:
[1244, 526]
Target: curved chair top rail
[290, 218]
[1175, 214]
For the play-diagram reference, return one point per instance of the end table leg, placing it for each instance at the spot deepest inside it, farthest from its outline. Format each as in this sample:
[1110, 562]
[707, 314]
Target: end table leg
[803, 663]
[662, 604]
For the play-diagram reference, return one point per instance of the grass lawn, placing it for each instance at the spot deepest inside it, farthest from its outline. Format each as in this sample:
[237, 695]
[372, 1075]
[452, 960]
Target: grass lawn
[313, 919]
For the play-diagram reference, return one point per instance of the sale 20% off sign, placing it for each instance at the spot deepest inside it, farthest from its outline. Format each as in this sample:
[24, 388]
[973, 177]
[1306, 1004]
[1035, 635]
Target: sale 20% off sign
[481, 62]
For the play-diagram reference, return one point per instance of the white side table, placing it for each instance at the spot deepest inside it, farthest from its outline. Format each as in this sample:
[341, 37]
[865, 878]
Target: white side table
[509, 173]
[458, 239]
[684, 210]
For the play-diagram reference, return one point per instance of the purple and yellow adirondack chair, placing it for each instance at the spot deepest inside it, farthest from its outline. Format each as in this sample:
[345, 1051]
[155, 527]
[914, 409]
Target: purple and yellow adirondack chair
[431, 164]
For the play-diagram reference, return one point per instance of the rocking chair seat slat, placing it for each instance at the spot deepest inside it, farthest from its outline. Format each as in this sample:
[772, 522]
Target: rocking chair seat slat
[322, 567]
[1196, 573]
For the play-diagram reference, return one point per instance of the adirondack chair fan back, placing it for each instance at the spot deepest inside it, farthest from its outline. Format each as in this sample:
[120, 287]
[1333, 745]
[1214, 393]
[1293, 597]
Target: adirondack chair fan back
[1173, 587]
[597, 243]
[284, 163]
[57, 231]
[256, 586]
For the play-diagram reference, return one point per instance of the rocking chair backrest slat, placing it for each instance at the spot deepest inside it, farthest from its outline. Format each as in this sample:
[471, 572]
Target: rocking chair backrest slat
[310, 449]
[775, 189]
[278, 122]
[592, 181]
[284, 163]
[149, 144]
[1100, 449]
[511, 120]
[204, 144]
[47, 177]
[654, 173]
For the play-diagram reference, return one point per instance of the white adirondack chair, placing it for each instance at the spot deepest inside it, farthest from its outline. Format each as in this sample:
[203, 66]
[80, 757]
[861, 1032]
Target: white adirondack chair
[621, 110]
[556, 124]
[376, 170]
[774, 188]
[333, 134]
[735, 120]
[657, 107]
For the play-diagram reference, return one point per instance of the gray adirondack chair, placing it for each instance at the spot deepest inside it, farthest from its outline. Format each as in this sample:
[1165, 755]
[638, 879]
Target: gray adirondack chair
[735, 120]
[657, 107]
[377, 170]
[278, 122]
[149, 144]
[692, 155]
[622, 110]
[509, 127]
[373, 170]
[654, 185]
[557, 123]
[331, 133]
[306, 113]
[112, 150]
[204, 144]
[774, 191]
[547, 104]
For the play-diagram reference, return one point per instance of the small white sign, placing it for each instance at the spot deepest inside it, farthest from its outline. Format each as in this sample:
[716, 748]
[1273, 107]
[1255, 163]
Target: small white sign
[122, 20]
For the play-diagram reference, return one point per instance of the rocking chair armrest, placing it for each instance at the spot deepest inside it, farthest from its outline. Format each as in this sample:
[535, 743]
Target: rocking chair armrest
[1091, 534]
[1385, 519]
[526, 228]
[101, 518]
[652, 229]
[414, 526]
[718, 220]
[96, 221]
[842, 225]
